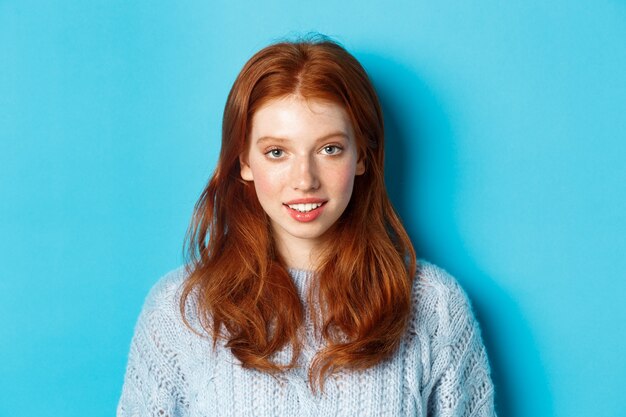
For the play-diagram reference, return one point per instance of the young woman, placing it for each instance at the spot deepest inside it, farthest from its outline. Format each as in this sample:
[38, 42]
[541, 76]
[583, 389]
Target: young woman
[302, 295]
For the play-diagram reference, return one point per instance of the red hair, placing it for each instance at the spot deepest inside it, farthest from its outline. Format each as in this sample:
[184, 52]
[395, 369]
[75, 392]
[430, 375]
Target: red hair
[363, 279]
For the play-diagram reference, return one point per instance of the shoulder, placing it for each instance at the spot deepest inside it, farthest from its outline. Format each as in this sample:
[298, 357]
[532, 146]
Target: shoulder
[166, 290]
[162, 354]
[439, 302]
[162, 304]
[453, 364]
[433, 283]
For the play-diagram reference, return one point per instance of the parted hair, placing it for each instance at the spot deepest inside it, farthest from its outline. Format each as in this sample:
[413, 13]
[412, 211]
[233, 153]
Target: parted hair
[242, 289]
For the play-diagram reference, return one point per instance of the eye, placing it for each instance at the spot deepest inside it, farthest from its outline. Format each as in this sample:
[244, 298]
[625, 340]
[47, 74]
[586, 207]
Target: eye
[332, 149]
[274, 153]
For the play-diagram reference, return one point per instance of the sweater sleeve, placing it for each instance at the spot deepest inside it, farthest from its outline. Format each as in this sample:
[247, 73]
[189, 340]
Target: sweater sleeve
[460, 382]
[154, 384]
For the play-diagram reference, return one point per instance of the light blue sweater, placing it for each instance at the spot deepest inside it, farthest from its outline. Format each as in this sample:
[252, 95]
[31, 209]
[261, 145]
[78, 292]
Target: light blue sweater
[440, 369]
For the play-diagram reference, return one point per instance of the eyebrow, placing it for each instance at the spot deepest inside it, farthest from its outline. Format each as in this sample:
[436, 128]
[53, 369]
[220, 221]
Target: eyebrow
[320, 139]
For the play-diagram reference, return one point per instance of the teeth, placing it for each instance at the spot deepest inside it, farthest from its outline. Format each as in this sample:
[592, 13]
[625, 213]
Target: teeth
[303, 208]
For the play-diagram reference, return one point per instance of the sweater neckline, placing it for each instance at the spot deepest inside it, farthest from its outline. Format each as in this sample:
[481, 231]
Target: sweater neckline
[301, 278]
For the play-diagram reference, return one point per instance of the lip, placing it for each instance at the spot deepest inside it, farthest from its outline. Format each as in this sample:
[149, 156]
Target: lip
[309, 216]
[309, 200]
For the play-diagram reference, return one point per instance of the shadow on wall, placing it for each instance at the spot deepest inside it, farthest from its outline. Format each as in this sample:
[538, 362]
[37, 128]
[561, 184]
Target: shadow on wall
[421, 153]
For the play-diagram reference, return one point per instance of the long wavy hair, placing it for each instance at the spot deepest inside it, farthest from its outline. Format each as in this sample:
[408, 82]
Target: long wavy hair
[241, 287]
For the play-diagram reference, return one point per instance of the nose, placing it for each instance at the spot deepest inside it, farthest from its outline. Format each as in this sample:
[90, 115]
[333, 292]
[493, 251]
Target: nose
[304, 174]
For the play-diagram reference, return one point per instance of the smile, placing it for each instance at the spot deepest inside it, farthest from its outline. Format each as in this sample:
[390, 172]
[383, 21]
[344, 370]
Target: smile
[304, 208]
[305, 212]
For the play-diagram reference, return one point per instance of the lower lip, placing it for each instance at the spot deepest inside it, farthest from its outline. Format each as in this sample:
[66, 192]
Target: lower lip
[309, 216]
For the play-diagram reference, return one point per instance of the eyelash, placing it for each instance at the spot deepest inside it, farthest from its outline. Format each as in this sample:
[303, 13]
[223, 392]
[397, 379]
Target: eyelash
[337, 147]
[269, 153]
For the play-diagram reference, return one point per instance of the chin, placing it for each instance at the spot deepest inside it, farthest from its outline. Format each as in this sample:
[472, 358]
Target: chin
[313, 233]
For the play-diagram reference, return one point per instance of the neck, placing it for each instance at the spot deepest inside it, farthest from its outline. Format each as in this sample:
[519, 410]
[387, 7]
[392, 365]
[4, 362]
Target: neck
[298, 254]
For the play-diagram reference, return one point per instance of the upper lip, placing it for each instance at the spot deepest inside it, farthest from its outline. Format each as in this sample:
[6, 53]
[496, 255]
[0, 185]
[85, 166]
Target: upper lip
[306, 201]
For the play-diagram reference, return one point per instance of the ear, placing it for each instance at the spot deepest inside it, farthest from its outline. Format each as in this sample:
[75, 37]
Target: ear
[246, 171]
[360, 166]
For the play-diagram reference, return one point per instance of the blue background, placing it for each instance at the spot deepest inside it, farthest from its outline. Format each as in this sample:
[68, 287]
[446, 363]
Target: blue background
[506, 136]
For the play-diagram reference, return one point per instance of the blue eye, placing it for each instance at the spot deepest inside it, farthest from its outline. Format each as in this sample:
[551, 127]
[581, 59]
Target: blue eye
[275, 153]
[332, 150]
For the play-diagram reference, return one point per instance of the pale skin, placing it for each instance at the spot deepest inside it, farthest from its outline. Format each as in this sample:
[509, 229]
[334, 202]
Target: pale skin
[302, 157]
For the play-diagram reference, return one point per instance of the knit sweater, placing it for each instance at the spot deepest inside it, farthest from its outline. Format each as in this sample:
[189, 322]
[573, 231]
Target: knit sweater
[440, 368]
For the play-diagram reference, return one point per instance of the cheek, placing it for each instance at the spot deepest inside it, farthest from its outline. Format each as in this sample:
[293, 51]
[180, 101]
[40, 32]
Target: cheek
[343, 181]
[263, 186]
[267, 182]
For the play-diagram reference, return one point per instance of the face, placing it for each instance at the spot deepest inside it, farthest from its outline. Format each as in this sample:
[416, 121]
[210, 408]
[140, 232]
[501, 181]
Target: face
[302, 158]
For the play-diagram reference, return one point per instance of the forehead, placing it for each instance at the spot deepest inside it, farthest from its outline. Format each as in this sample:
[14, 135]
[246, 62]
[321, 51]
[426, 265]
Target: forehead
[296, 116]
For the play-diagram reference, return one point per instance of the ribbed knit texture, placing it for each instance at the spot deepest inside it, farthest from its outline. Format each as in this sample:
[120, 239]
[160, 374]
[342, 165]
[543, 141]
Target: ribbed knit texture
[440, 369]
